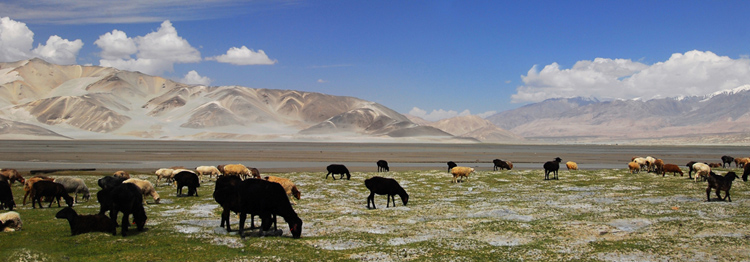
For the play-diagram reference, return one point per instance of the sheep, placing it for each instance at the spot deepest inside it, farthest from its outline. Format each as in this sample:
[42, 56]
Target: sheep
[334, 169]
[650, 162]
[121, 174]
[254, 172]
[745, 173]
[671, 168]
[571, 165]
[227, 195]
[451, 164]
[236, 170]
[726, 160]
[11, 221]
[187, 178]
[110, 181]
[500, 164]
[689, 165]
[658, 166]
[80, 224]
[741, 161]
[720, 183]
[165, 173]
[30, 182]
[126, 198]
[210, 171]
[258, 196]
[714, 165]
[701, 170]
[6, 195]
[52, 191]
[634, 167]
[551, 166]
[385, 186]
[74, 185]
[383, 166]
[12, 175]
[147, 189]
[288, 185]
[640, 161]
[461, 171]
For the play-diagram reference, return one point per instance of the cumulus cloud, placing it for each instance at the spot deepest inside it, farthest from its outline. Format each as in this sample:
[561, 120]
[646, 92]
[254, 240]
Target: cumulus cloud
[321, 81]
[193, 78]
[243, 56]
[692, 73]
[438, 114]
[156, 52]
[16, 41]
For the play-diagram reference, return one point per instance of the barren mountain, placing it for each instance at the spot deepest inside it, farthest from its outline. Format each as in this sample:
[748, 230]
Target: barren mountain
[97, 102]
[471, 127]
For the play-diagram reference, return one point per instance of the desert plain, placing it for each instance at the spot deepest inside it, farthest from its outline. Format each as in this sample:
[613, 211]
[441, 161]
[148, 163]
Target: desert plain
[598, 213]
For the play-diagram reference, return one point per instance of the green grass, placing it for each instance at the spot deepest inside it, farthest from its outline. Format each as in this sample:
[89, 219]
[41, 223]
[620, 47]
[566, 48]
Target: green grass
[589, 215]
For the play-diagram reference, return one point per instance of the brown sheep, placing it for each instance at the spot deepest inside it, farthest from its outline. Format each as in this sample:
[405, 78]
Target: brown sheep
[461, 171]
[288, 185]
[12, 175]
[634, 167]
[658, 166]
[122, 174]
[30, 182]
[671, 168]
[571, 165]
[236, 170]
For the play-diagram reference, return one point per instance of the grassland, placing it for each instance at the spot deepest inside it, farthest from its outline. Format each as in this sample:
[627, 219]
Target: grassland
[590, 215]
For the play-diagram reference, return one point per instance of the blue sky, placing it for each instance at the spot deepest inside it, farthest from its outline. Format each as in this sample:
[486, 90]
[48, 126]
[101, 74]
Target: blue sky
[434, 59]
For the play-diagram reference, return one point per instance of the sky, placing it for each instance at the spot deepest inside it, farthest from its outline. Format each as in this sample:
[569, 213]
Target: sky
[434, 58]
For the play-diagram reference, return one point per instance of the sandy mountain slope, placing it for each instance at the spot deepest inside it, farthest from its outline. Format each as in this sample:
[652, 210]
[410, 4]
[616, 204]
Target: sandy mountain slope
[471, 126]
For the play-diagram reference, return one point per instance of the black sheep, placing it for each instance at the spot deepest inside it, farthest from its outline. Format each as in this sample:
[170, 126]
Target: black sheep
[500, 164]
[385, 186]
[227, 194]
[110, 181]
[127, 198]
[726, 160]
[720, 183]
[6, 195]
[550, 167]
[745, 172]
[188, 179]
[80, 224]
[383, 166]
[51, 191]
[334, 169]
[258, 196]
[451, 165]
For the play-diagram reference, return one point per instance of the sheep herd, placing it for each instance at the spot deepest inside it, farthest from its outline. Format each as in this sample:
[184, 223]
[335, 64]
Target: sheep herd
[242, 190]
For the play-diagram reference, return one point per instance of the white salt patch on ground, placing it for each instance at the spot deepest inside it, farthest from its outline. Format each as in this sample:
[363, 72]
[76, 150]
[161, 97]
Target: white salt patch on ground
[339, 244]
[187, 229]
[630, 225]
[503, 214]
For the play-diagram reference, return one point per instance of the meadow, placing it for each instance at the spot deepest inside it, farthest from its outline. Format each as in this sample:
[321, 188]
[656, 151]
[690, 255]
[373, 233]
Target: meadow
[586, 215]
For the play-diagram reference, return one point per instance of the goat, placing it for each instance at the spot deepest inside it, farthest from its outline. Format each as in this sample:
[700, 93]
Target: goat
[720, 183]
[385, 186]
[550, 167]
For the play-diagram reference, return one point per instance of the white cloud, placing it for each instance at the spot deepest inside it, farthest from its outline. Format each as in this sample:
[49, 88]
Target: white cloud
[692, 73]
[16, 41]
[438, 114]
[321, 81]
[486, 114]
[193, 78]
[156, 53]
[243, 56]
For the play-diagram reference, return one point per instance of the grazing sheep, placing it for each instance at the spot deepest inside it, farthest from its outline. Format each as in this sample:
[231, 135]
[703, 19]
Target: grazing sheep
[383, 166]
[51, 191]
[147, 189]
[266, 198]
[189, 179]
[80, 224]
[236, 170]
[74, 185]
[127, 198]
[701, 170]
[500, 164]
[571, 165]
[720, 183]
[671, 168]
[334, 169]
[640, 161]
[166, 173]
[12, 175]
[11, 221]
[658, 166]
[451, 164]
[288, 185]
[550, 167]
[745, 173]
[634, 167]
[6, 195]
[461, 171]
[110, 181]
[650, 163]
[122, 174]
[227, 195]
[210, 171]
[726, 160]
[385, 186]
[30, 182]
[741, 161]
[254, 172]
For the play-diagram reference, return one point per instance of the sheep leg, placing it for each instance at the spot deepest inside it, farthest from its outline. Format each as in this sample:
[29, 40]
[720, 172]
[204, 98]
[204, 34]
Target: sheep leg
[388, 203]
[727, 197]
[243, 216]
[708, 194]
[371, 198]
[125, 223]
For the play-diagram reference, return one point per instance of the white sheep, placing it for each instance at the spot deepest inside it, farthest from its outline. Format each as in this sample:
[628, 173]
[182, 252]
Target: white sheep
[147, 189]
[165, 173]
[74, 185]
[461, 171]
[650, 161]
[701, 169]
[640, 161]
[10, 221]
[210, 171]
